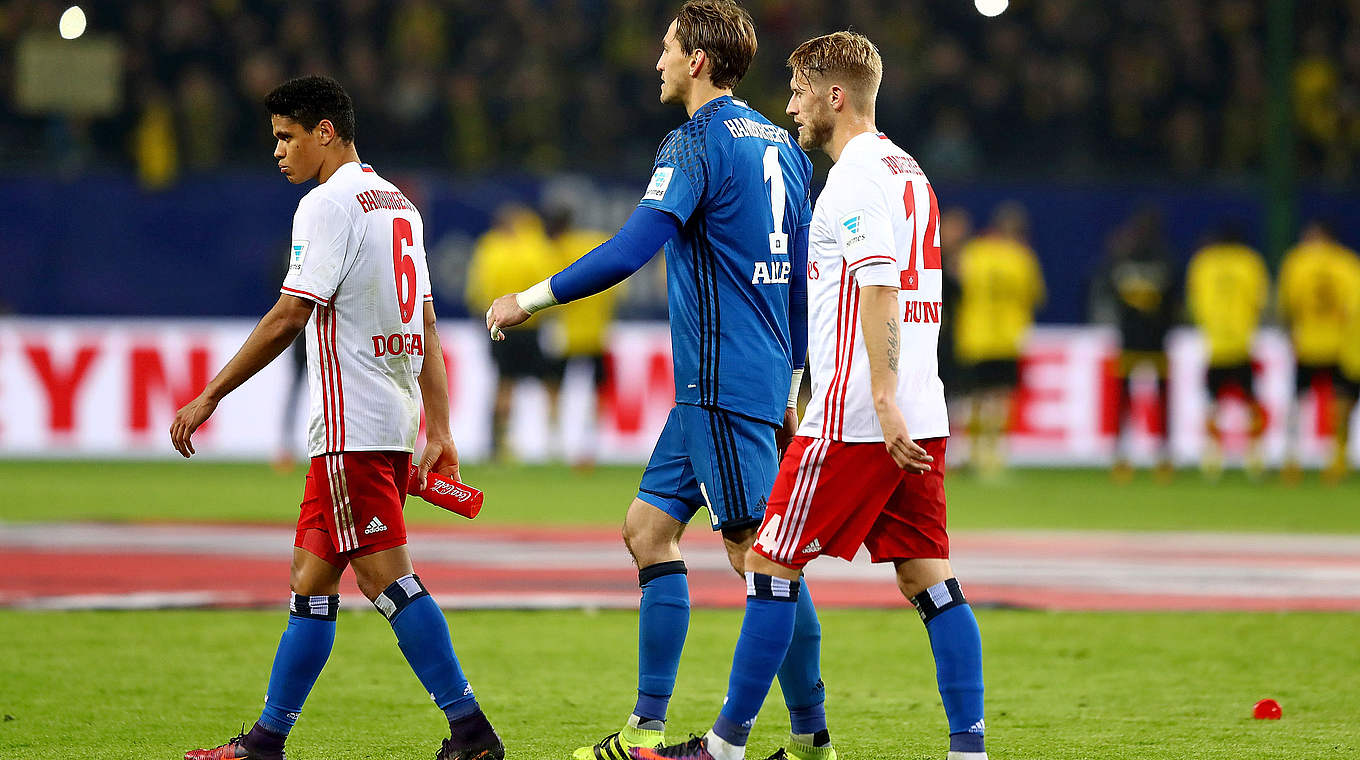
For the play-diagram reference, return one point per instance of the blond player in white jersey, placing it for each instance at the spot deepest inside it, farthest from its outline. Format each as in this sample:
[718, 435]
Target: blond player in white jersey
[867, 465]
[358, 284]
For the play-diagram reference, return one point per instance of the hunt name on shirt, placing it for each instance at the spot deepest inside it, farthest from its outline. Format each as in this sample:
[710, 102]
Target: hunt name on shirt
[921, 312]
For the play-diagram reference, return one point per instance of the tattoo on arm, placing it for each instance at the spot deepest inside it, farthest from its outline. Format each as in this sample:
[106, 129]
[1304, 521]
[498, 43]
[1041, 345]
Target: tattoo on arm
[892, 344]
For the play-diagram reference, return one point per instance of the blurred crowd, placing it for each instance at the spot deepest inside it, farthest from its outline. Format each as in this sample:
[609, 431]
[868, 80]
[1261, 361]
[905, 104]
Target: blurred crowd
[1050, 88]
[1226, 291]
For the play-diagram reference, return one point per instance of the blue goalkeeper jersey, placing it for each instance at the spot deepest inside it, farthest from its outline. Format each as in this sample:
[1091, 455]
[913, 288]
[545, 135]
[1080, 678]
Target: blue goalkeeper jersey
[739, 186]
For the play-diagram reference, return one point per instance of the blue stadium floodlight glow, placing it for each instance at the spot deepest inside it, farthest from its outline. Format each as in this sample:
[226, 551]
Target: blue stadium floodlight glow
[72, 23]
[991, 8]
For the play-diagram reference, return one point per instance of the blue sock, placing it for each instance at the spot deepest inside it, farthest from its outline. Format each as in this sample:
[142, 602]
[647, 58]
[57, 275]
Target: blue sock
[423, 635]
[957, 645]
[766, 630]
[663, 621]
[302, 653]
[800, 675]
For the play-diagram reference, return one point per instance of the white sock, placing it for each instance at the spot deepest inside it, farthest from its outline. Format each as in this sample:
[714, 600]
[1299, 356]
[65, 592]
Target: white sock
[967, 756]
[721, 750]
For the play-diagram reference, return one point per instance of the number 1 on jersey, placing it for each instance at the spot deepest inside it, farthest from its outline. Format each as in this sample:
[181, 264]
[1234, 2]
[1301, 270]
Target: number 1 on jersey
[779, 240]
[404, 268]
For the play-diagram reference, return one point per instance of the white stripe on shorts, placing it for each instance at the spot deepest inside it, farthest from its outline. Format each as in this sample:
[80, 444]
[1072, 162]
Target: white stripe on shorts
[349, 507]
[804, 486]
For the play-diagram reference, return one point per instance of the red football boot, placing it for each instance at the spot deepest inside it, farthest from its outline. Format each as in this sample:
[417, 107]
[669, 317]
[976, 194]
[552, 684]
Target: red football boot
[234, 749]
[694, 749]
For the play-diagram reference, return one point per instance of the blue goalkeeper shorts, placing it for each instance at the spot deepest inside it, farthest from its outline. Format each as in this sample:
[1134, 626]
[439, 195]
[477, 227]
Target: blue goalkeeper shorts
[712, 458]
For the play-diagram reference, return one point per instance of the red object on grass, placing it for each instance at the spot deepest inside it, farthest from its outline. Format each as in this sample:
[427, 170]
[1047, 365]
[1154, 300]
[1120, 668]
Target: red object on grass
[443, 491]
[1267, 709]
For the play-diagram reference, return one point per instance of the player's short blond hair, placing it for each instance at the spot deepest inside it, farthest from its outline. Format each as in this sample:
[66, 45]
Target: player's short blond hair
[845, 56]
[723, 30]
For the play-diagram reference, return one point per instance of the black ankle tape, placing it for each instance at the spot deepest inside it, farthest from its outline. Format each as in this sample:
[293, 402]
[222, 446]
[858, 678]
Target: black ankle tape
[652, 572]
[939, 598]
[314, 607]
[761, 586]
[399, 595]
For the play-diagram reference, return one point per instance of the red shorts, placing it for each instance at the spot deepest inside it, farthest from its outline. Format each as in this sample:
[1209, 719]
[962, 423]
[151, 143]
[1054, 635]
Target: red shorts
[352, 505]
[832, 497]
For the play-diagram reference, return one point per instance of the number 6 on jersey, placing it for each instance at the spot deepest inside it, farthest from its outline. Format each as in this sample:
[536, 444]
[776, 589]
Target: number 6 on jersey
[404, 268]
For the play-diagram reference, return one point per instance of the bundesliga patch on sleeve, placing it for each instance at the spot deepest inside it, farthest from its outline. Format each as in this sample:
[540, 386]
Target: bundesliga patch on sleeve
[661, 180]
[299, 253]
[851, 224]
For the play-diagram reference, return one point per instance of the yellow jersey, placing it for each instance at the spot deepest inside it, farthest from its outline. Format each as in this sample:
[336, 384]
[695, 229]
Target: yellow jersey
[507, 260]
[1318, 281]
[1349, 357]
[584, 322]
[1000, 289]
[1226, 290]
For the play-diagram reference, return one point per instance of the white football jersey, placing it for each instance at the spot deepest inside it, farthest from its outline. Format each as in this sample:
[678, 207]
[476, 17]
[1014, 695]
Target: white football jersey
[359, 253]
[876, 223]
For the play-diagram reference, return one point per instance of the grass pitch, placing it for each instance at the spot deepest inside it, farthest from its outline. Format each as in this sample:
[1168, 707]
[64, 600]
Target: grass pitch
[1059, 686]
[557, 495]
[1112, 686]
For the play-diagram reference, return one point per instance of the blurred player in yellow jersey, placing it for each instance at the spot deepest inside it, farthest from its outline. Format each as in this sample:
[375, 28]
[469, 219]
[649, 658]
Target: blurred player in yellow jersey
[1001, 287]
[1349, 387]
[1318, 281]
[509, 257]
[1227, 287]
[584, 323]
[1142, 281]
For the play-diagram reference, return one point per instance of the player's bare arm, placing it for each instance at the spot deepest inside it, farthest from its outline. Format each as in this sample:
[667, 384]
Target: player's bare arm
[275, 332]
[879, 315]
[440, 454]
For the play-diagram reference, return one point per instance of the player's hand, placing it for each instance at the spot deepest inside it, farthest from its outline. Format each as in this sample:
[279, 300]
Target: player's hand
[187, 420]
[907, 453]
[784, 435]
[504, 312]
[440, 456]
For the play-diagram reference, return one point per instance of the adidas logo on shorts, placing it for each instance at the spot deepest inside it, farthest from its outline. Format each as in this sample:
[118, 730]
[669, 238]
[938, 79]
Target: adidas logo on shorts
[374, 526]
[813, 546]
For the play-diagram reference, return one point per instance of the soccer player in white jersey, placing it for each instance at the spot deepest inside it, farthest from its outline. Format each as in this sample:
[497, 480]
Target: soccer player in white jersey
[867, 465]
[358, 284]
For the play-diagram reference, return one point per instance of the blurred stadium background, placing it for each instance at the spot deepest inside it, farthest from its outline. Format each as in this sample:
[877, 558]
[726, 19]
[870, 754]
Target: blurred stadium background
[144, 230]
[137, 184]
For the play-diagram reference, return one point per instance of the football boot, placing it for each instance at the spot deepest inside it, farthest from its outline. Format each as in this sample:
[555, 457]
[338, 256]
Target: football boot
[616, 745]
[234, 749]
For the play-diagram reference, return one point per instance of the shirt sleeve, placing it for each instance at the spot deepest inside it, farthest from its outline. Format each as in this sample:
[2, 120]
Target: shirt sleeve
[679, 177]
[864, 232]
[320, 238]
[610, 262]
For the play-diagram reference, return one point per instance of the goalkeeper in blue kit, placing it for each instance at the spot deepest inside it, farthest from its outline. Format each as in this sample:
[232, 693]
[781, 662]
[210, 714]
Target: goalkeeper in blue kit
[729, 199]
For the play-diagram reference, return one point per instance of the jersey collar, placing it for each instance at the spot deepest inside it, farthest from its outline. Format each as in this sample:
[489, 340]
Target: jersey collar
[862, 141]
[357, 166]
[715, 103]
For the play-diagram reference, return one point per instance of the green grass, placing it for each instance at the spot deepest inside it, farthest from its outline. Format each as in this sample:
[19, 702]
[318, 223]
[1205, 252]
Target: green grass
[556, 495]
[1060, 686]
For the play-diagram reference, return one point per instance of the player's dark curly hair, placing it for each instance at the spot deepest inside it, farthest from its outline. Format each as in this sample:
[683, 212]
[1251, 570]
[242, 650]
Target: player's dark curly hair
[308, 100]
